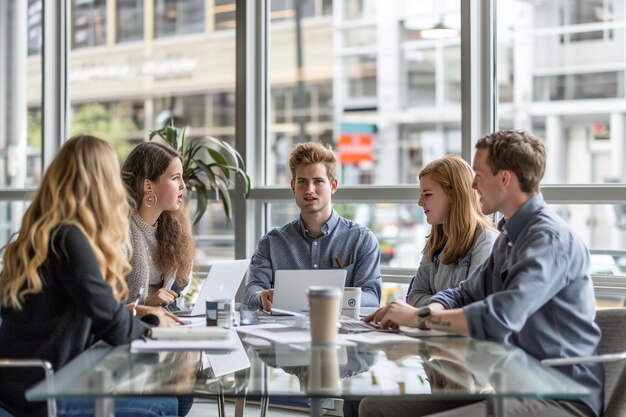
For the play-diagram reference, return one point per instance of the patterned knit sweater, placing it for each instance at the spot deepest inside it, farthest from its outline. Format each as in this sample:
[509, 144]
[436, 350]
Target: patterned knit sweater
[144, 274]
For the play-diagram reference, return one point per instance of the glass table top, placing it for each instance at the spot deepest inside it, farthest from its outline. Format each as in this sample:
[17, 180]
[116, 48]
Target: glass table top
[445, 367]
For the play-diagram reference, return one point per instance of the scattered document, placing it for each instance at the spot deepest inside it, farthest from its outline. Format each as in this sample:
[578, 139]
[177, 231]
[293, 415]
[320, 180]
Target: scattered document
[415, 332]
[378, 338]
[284, 334]
[227, 344]
[225, 364]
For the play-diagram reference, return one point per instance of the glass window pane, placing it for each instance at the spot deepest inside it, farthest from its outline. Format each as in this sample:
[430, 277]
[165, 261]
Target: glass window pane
[601, 226]
[142, 84]
[420, 72]
[562, 78]
[362, 36]
[176, 17]
[20, 105]
[365, 82]
[129, 21]
[89, 23]
[35, 16]
[20, 95]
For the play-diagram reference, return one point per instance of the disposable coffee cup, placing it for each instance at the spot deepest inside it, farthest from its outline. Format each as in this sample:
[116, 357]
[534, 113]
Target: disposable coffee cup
[351, 304]
[324, 305]
[219, 313]
[323, 372]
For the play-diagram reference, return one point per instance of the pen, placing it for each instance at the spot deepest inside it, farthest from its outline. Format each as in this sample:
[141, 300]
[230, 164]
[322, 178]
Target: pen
[136, 302]
[339, 264]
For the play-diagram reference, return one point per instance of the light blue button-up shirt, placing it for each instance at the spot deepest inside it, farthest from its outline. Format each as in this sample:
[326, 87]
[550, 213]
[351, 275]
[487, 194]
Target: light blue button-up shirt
[535, 291]
[292, 247]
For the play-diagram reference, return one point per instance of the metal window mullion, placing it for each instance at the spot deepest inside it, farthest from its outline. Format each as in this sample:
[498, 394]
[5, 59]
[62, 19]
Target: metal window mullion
[54, 74]
[250, 132]
[478, 92]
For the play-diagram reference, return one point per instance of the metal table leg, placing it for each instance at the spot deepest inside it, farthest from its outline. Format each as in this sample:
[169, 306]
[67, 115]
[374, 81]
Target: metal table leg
[316, 407]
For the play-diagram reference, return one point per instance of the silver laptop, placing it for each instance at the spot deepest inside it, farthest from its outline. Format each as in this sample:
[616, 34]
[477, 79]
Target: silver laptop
[222, 282]
[290, 287]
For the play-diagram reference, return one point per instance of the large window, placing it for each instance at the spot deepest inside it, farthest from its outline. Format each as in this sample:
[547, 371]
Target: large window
[561, 76]
[20, 105]
[379, 81]
[386, 98]
[571, 93]
[142, 84]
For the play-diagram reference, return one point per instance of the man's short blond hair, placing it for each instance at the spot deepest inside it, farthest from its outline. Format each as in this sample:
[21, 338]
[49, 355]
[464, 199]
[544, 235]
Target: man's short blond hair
[309, 153]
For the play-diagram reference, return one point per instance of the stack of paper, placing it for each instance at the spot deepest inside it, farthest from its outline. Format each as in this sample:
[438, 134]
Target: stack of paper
[188, 342]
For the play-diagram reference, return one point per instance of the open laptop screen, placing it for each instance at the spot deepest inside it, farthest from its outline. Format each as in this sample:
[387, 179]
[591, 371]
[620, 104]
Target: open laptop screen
[290, 286]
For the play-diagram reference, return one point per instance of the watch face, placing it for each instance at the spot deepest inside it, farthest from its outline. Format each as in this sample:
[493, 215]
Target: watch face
[423, 312]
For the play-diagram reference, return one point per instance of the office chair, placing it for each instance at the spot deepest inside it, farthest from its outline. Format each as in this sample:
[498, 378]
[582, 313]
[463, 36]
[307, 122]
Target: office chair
[33, 363]
[612, 323]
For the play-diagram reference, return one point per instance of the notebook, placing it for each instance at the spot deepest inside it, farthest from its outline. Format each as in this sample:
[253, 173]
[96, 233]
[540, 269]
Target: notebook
[222, 282]
[290, 287]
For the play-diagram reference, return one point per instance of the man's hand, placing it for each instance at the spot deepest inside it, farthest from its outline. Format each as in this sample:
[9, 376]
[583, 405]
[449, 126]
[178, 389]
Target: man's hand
[266, 299]
[397, 313]
[162, 298]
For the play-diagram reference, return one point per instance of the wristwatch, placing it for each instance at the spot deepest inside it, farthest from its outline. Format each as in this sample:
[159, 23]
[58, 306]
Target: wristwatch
[422, 315]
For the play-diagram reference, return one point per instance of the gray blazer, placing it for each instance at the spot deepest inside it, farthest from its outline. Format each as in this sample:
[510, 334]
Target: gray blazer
[432, 277]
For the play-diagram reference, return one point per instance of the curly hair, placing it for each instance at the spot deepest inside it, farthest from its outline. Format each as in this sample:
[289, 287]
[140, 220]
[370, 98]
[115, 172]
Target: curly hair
[309, 153]
[518, 151]
[175, 246]
[465, 218]
[81, 187]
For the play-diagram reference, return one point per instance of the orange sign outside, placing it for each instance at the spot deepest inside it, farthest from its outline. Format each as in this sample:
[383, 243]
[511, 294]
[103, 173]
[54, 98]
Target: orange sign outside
[354, 148]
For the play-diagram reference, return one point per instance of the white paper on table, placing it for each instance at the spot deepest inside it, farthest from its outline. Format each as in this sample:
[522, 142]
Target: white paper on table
[284, 334]
[415, 332]
[225, 364]
[377, 338]
[149, 345]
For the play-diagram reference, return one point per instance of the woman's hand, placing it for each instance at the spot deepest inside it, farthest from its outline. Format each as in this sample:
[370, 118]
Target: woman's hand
[162, 298]
[166, 319]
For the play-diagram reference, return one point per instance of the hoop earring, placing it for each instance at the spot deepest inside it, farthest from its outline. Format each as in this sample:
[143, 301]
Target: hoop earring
[149, 199]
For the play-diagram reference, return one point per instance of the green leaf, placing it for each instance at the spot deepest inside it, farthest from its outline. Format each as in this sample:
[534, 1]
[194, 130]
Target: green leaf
[202, 198]
[208, 164]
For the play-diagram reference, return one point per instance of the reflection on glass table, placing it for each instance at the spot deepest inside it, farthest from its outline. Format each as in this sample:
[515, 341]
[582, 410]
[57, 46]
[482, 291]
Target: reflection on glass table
[450, 368]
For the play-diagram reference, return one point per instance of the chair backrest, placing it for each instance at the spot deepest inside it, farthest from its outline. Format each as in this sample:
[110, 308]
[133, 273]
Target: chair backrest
[612, 322]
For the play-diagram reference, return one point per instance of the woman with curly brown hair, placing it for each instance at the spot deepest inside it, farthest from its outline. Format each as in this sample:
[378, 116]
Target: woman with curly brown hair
[160, 234]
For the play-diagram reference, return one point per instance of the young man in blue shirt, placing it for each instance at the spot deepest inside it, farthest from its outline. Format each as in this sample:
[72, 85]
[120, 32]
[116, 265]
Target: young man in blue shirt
[319, 238]
[534, 291]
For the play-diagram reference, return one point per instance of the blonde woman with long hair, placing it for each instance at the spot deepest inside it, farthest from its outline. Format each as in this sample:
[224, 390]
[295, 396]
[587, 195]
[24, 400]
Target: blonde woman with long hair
[163, 247]
[461, 237]
[63, 277]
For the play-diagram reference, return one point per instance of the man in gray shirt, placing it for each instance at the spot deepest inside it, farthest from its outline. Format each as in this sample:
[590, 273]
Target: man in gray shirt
[534, 291]
[319, 239]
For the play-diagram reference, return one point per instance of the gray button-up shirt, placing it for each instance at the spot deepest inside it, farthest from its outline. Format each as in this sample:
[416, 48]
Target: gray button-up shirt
[535, 291]
[291, 247]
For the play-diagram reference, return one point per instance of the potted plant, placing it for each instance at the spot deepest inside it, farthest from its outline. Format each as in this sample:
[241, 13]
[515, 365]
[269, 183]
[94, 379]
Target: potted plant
[209, 164]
